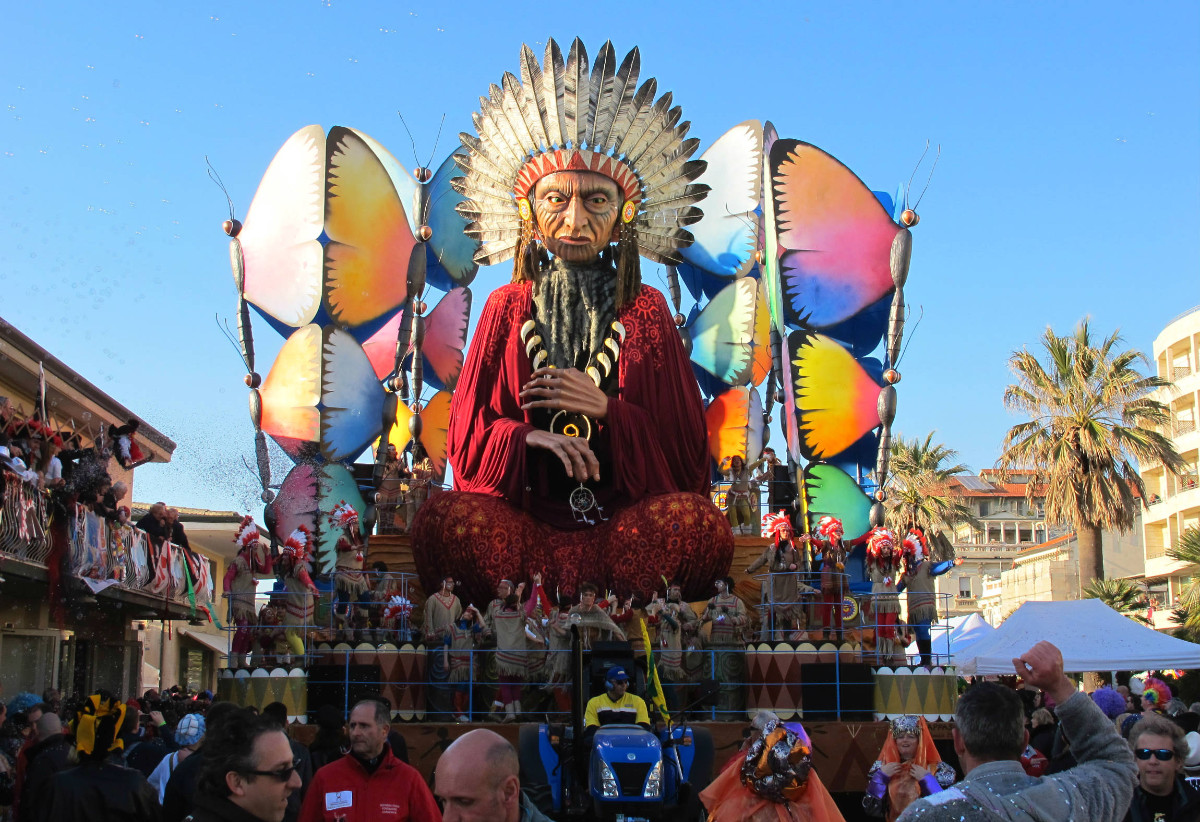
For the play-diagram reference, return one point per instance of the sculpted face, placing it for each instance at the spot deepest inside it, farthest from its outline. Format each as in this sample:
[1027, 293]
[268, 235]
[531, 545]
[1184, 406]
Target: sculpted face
[576, 213]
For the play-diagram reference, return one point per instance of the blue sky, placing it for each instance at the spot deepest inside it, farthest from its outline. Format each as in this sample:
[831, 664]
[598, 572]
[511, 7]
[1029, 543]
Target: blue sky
[1067, 185]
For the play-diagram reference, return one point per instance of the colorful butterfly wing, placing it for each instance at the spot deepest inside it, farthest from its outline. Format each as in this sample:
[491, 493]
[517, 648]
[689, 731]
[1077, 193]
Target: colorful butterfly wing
[730, 336]
[335, 484]
[351, 398]
[735, 425]
[445, 338]
[451, 253]
[296, 502]
[727, 235]
[836, 400]
[831, 491]
[770, 238]
[277, 254]
[291, 392]
[435, 425]
[836, 240]
[404, 183]
[370, 244]
[380, 347]
[400, 433]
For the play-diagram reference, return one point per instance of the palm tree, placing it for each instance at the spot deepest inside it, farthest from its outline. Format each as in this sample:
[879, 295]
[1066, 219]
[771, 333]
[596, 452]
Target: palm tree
[1124, 597]
[1188, 613]
[1091, 420]
[918, 491]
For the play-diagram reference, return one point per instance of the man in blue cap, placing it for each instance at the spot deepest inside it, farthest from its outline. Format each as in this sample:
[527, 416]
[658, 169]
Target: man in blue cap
[616, 705]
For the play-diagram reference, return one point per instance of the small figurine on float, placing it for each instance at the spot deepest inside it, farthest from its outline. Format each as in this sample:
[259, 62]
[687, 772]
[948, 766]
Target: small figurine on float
[349, 581]
[883, 569]
[828, 534]
[908, 768]
[782, 559]
[240, 587]
[918, 580]
[770, 779]
[294, 570]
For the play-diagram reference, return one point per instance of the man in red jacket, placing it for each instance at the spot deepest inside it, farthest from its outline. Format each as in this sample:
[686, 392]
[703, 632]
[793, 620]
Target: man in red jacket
[369, 784]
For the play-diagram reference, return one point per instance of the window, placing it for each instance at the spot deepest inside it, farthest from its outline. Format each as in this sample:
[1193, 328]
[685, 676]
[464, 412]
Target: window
[983, 508]
[964, 587]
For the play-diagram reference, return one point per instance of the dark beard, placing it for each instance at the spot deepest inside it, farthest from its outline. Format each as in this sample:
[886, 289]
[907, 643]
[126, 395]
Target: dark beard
[574, 303]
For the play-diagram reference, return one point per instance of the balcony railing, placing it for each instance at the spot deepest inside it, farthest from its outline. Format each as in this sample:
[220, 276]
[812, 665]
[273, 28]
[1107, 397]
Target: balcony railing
[1180, 371]
[100, 555]
[1181, 427]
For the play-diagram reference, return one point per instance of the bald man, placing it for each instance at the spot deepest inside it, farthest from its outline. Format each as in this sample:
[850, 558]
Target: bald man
[476, 780]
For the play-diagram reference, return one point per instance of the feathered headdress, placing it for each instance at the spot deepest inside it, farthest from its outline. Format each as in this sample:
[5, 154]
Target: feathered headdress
[247, 533]
[916, 548]
[880, 543]
[829, 528]
[561, 116]
[772, 524]
[295, 547]
[397, 607]
[344, 515]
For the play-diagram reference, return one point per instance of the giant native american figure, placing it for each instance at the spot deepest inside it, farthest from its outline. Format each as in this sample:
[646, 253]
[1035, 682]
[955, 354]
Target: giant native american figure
[577, 431]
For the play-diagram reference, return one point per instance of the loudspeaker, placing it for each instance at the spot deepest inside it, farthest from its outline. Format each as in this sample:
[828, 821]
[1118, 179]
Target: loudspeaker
[830, 690]
[342, 686]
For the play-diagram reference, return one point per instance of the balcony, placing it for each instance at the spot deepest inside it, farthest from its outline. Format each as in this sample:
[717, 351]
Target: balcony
[1181, 427]
[1180, 371]
[962, 603]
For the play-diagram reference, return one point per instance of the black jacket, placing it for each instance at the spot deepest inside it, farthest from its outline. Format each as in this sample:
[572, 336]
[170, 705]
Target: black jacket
[45, 759]
[179, 795]
[99, 792]
[219, 809]
[1186, 807]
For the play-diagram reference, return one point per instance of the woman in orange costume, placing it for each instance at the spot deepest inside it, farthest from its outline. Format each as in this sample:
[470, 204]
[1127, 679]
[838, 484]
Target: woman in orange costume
[908, 768]
[770, 779]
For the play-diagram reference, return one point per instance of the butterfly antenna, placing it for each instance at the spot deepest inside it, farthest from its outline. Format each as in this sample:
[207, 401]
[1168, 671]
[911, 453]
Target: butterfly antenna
[936, 157]
[228, 334]
[908, 342]
[429, 205]
[216, 178]
[246, 463]
[436, 140]
[416, 159]
[908, 185]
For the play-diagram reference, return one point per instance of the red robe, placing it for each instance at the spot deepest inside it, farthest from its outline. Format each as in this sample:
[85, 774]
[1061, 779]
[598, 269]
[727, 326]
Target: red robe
[652, 449]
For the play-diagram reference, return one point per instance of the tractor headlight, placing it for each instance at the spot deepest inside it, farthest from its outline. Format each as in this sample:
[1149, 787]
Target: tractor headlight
[654, 781]
[609, 788]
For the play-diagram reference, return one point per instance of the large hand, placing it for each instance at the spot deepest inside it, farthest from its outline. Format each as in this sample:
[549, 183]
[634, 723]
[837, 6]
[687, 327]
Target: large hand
[1042, 666]
[576, 455]
[564, 389]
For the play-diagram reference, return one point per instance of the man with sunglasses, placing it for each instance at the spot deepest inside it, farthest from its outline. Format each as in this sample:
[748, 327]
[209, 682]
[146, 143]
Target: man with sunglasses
[369, 784]
[989, 737]
[248, 772]
[1161, 794]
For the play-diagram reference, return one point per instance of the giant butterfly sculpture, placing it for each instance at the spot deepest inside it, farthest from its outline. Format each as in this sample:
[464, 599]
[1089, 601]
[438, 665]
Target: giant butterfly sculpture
[338, 250]
[798, 271]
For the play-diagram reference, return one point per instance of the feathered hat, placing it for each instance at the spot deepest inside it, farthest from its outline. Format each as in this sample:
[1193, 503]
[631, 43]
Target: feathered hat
[915, 546]
[563, 116]
[880, 544]
[247, 533]
[295, 547]
[344, 515]
[829, 528]
[772, 524]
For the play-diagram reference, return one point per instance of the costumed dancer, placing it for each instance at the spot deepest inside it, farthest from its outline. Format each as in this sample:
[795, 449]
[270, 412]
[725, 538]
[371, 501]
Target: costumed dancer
[294, 568]
[594, 619]
[737, 499]
[727, 613]
[462, 636]
[349, 582]
[442, 610]
[782, 559]
[676, 624]
[506, 620]
[908, 768]
[770, 779]
[918, 580]
[883, 569]
[558, 631]
[272, 642]
[124, 446]
[829, 533]
[240, 587]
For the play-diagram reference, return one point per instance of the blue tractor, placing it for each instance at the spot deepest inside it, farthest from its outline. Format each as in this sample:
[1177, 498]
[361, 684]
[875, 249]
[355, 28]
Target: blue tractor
[617, 773]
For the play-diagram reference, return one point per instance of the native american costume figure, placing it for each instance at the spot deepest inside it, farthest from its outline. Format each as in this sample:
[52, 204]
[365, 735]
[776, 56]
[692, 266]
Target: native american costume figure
[883, 569]
[240, 586]
[349, 582]
[463, 636]
[577, 428]
[294, 569]
[727, 638]
[677, 624]
[442, 611]
[782, 558]
[908, 768]
[918, 579]
[506, 620]
[829, 534]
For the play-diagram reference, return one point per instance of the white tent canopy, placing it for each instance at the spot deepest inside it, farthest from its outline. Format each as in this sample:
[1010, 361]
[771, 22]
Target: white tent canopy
[1091, 636]
[952, 639]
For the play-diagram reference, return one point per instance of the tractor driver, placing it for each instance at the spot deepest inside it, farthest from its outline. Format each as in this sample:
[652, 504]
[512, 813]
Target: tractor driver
[616, 705]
